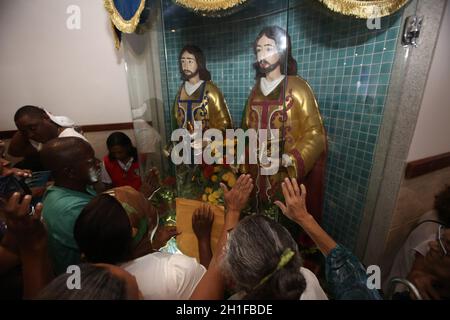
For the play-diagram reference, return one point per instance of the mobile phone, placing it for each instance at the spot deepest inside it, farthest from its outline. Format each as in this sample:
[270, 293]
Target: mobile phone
[11, 184]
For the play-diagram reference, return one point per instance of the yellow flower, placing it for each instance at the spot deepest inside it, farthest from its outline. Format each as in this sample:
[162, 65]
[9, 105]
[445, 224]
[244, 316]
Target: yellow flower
[205, 197]
[216, 169]
[208, 190]
[211, 198]
[226, 176]
[231, 182]
[216, 194]
[214, 178]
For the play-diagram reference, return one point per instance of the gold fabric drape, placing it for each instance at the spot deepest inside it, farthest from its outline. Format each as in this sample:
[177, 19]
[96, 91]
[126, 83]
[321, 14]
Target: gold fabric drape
[127, 26]
[364, 8]
[209, 5]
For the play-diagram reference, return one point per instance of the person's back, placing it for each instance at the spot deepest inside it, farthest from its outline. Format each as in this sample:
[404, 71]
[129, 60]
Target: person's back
[119, 214]
[62, 207]
[162, 276]
[74, 168]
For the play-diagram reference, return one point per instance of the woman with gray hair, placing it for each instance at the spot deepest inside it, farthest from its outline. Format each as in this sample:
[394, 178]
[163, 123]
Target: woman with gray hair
[257, 255]
[263, 262]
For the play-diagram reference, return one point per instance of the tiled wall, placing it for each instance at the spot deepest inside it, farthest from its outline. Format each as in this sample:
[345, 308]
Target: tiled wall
[347, 65]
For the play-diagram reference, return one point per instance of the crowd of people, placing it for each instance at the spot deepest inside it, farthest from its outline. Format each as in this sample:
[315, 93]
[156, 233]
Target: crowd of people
[95, 218]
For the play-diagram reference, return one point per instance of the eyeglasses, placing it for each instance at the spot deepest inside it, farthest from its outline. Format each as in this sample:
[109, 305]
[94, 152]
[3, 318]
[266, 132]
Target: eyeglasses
[441, 240]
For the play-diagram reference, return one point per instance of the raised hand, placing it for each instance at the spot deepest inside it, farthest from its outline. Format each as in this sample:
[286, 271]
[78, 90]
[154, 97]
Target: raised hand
[202, 221]
[295, 198]
[16, 172]
[151, 182]
[24, 223]
[236, 199]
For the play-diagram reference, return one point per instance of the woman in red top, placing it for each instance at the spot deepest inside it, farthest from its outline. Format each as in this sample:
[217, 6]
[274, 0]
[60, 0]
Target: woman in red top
[120, 166]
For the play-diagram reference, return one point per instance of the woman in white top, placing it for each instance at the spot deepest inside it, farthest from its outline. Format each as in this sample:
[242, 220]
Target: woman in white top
[120, 227]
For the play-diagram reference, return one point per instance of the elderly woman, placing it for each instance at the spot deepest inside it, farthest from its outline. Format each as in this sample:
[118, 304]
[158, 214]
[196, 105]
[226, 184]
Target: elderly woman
[263, 261]
[257, 256]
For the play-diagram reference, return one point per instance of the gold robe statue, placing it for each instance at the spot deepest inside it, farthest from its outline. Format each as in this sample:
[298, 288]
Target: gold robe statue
[292, 108]
[206, 104]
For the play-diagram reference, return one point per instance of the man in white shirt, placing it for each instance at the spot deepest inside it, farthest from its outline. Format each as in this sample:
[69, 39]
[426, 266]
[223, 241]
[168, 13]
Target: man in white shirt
[35, 127]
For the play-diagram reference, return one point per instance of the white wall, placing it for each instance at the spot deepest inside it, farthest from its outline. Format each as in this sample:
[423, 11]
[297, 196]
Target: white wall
[76, 73]
[432, 133]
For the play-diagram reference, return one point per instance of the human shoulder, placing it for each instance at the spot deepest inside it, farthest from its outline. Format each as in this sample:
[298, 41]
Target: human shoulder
[424, 230]
[71, 132]
[176, 275]
[169, 260]
[66, 199]
[184, 273]
[313, 290]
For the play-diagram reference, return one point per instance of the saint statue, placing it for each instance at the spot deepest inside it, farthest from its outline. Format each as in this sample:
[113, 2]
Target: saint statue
[198, 98]
[198, 102]
[283, 101]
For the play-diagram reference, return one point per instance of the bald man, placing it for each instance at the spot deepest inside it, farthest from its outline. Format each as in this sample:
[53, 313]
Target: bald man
[75, 169]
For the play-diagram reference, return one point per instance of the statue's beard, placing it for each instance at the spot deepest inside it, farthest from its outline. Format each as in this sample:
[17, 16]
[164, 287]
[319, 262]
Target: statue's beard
[187, 75]
[269, 68]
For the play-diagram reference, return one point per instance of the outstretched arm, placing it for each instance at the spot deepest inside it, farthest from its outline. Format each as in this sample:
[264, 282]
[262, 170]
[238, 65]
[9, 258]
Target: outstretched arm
[212, 285]
[295, 209]
[202, 221]
[31, 238]
[345, 275]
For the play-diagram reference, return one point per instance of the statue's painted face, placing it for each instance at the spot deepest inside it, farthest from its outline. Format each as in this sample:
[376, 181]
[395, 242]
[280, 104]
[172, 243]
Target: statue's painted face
[267, 54]
[189, 65]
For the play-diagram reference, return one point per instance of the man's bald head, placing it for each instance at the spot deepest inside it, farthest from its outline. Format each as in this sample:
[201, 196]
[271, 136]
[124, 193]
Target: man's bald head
[63, 152]
[70, 159]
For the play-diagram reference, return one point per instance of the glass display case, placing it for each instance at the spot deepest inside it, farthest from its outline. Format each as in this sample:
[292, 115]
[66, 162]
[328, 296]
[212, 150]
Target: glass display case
[319, 78]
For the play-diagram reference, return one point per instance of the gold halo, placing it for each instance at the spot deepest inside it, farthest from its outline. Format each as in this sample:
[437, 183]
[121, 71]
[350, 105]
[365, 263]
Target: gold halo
[364, 8]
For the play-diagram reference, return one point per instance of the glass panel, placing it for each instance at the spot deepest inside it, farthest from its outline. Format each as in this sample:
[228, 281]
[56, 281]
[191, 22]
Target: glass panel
[228, 47]
[347, 63]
